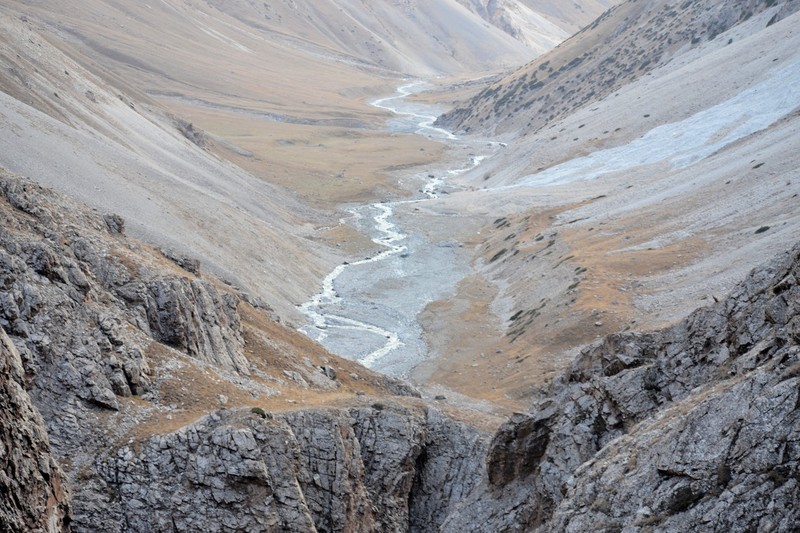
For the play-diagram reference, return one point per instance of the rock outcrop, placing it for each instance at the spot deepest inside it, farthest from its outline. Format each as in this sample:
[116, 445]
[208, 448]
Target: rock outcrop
[35, 497]
[695, 427]
[83, 315]
[370, 468]
[193, 317]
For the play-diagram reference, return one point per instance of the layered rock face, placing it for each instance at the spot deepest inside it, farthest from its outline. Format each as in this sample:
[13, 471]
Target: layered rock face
[373, 468]
[81, 317]
[83, 313]
[35, 497]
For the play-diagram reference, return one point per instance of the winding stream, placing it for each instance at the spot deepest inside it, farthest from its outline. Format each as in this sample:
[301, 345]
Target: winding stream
[412, 117]
[367, 309]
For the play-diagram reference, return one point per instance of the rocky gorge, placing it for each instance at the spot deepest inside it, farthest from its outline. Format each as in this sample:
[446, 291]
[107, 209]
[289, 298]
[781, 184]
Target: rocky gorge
[638, 434]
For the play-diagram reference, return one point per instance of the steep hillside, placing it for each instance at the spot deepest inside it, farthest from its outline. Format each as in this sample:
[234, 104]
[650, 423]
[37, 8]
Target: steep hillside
[533, 21]
[412, 38]
[626, 214]
[571, 16]
[521, 22]
[113, 148]
[249, 95]
[624, 44]
[417, 38]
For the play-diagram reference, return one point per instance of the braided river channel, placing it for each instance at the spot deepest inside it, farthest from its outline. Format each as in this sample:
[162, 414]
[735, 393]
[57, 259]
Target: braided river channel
[367, 309]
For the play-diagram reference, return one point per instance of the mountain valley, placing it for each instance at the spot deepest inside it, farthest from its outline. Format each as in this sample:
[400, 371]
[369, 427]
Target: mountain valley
[400, 266]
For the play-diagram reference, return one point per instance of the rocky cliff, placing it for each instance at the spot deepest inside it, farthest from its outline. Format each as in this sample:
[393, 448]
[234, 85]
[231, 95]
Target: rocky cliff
[115, 342]
[371, 468]
[168, 409]
[35, 497]
[692, 428]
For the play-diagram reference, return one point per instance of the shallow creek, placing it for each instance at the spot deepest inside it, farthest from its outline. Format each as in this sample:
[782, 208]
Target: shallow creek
[367, 309]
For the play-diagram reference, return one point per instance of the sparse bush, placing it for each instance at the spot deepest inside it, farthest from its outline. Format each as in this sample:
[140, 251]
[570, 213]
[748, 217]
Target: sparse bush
[498, 255]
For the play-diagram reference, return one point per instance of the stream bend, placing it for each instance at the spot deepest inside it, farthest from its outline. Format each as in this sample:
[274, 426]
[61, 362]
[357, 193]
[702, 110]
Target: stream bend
[365, 329]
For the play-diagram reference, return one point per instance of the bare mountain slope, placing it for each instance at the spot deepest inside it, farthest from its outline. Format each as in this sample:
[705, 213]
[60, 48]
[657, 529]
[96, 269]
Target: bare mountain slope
[418, 38]
[571, 16]
[521, 22]
[282, 88]
[251, 94]
[532, 21]
[624, 44]
[412, 38]
[90, 139]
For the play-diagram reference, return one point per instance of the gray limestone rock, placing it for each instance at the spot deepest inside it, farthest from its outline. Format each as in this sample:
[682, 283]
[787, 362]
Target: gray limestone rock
[196, 318]
[363, 469]
[35, 494]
